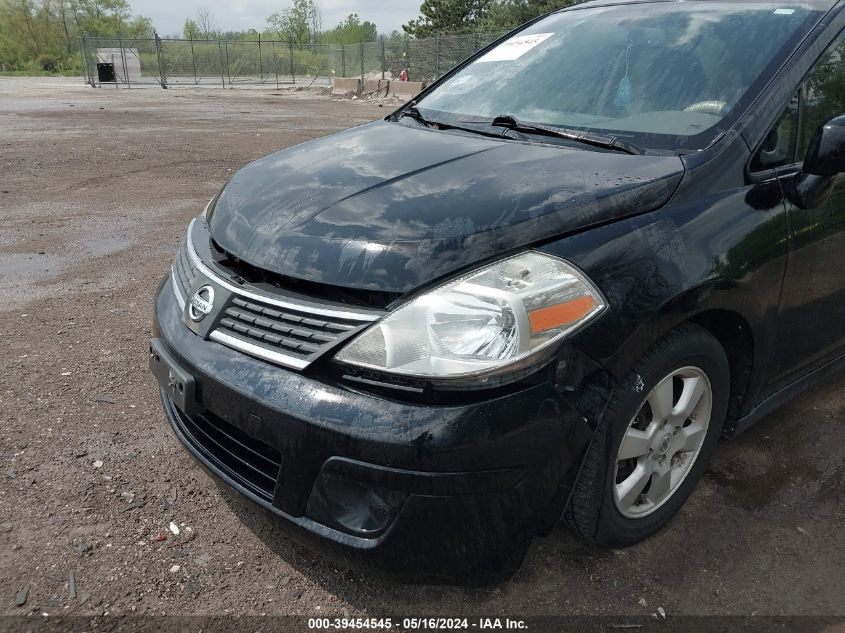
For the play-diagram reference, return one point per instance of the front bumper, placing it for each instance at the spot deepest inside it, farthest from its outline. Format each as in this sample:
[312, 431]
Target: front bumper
[421, 492]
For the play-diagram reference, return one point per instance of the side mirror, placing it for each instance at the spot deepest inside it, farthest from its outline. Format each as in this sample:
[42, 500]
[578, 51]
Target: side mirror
[825, 159]
[826, 153]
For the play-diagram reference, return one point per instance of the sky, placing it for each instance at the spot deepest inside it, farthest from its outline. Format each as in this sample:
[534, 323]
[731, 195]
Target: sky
[236, 15]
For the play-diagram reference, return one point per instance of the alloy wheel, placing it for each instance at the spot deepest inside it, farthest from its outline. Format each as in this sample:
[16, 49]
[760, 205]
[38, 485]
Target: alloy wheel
[662, 442]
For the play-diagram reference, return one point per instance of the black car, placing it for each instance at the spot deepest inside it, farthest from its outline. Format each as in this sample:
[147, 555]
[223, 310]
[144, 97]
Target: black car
[543, 289]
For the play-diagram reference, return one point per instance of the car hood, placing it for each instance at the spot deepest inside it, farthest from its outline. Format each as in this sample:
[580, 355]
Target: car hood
[391, 206]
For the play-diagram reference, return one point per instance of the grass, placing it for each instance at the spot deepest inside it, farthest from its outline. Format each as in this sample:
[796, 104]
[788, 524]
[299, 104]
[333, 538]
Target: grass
[39, 73]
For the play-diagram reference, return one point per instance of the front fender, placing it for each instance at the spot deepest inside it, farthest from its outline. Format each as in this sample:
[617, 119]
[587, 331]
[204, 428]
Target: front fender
[725, 252]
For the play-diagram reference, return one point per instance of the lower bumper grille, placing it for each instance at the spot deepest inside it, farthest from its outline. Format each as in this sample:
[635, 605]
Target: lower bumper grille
[247, 460]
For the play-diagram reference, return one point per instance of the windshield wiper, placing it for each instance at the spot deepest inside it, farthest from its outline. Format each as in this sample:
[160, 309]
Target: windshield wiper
[411, 111]
[510, 122]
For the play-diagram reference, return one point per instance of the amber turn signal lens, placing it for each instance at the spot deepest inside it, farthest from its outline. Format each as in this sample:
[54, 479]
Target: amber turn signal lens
[560, 314]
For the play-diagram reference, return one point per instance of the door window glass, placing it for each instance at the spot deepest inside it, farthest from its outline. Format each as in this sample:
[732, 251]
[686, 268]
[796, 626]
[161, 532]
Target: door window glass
[824, 92]
[779, 147]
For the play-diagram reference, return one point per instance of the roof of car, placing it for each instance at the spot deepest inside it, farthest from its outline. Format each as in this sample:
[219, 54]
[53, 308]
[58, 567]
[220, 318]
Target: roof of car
[818, 4]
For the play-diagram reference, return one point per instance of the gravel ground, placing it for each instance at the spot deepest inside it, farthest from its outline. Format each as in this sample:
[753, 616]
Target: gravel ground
[97, 187]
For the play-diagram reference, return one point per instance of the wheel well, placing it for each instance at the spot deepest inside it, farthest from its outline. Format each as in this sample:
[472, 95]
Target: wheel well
[734, 334]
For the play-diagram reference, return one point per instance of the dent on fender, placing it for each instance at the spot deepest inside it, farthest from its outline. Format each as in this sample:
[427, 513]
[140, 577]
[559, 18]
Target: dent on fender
[662, 267]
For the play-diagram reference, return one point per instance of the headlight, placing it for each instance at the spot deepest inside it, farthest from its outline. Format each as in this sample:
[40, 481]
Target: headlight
[484, 322]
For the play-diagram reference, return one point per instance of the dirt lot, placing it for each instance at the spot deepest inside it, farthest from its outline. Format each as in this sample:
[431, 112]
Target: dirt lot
[97, 187]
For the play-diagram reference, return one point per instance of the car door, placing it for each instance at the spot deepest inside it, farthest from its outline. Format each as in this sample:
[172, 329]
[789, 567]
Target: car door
[811, 322]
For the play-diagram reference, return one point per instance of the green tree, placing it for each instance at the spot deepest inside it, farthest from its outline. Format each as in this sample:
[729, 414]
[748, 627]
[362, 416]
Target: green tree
[190, 31]
[396, 47]
[64, 13]
[461, 16]
[139, 26]
[448, 17]
[100, 18]
[508, 14]
[352, 31]
[43, 35]
[294, 23]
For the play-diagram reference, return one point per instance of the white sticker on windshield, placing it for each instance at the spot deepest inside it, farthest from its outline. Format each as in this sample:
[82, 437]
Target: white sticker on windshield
[784, 11]
[515, 47]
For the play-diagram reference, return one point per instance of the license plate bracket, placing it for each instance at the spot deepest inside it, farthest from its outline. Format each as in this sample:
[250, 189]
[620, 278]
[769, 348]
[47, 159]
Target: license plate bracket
[175, 380]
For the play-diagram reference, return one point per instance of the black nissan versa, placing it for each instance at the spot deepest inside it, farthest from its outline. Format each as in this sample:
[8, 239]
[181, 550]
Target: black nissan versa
[542, 290]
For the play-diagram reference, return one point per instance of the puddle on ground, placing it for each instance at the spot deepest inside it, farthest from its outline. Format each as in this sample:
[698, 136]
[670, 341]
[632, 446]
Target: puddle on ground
[22, 270]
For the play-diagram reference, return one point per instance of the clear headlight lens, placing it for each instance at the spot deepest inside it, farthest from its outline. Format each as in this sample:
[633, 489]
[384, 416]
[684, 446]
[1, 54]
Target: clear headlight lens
[482, 322]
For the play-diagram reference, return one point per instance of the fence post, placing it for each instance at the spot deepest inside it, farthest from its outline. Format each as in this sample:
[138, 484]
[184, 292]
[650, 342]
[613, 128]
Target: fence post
[292, 69]
[123, 61]
[260, 63]
[194, 62]
[437, 55]
[383, 58]
[343, 60]
[362, 63]
[220, 56]
[228, 70]
[275, 63]
[162, 75]
[86, 60]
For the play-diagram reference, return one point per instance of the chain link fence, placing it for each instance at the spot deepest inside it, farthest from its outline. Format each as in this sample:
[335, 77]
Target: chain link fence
[124, 62]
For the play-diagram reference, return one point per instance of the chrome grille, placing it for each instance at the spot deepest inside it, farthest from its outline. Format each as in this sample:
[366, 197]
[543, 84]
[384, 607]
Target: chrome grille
[184, 273]
[283, 330]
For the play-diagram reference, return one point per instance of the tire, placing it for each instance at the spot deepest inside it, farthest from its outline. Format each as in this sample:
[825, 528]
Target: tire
[603, 507]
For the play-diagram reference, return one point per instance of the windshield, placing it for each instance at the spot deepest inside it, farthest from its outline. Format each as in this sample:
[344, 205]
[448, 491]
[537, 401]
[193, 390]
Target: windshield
[669, 76]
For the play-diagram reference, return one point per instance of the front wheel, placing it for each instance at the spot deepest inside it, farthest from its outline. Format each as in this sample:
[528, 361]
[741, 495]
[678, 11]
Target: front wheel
[654, 441]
